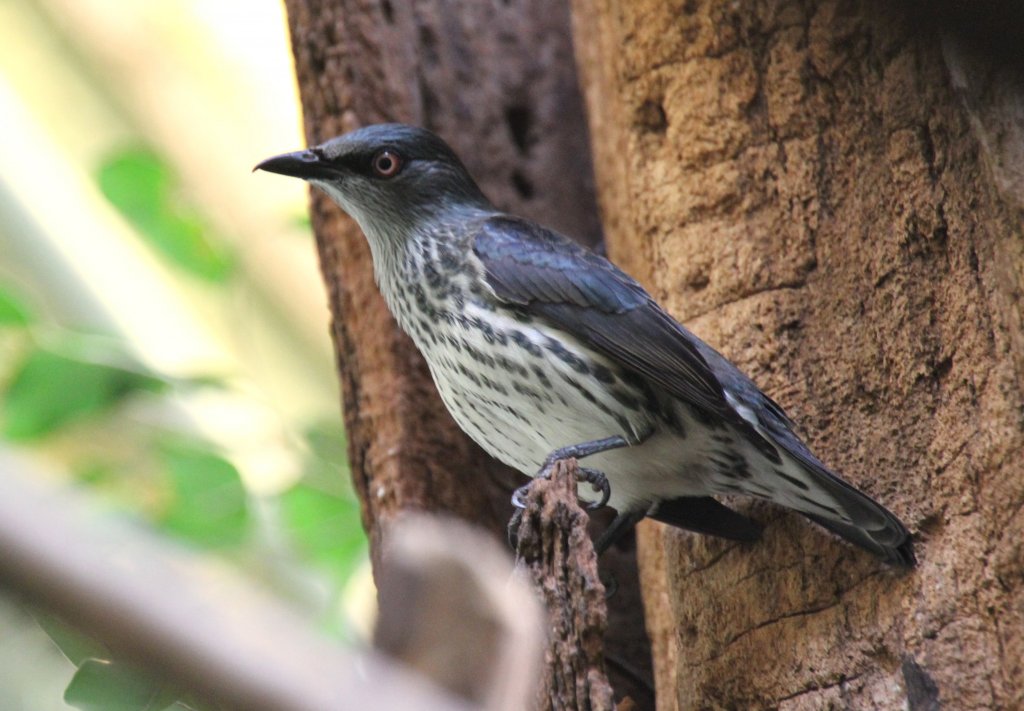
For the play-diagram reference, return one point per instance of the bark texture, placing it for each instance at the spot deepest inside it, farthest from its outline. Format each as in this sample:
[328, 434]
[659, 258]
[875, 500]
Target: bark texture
[830, 193]
[498, 81]
[554, 545]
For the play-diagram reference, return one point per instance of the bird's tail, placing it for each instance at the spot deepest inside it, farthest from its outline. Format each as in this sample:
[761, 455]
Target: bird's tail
[833, 503]
[885, 543]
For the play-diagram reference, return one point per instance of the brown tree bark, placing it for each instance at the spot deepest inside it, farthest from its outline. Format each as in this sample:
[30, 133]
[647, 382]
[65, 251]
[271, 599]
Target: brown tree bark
[554, 544]
[830, 193]
[497, 80]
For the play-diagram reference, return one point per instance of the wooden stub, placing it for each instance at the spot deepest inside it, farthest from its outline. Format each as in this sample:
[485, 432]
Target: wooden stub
[555, 547]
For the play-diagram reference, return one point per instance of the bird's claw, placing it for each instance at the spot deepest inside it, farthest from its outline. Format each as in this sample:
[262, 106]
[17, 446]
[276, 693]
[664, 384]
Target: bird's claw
[519, 496]
[595, 478]
[599, 481]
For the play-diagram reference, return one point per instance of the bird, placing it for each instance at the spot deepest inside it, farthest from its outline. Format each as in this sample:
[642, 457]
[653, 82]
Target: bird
[543, 350]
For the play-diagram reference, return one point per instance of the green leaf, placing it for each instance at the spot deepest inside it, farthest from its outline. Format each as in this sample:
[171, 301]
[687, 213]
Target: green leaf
[49, 390]
[209, 505]
[13, 311]
[72, 643]
[326, 462]
[94, 472]
[320, 513]
[142, 186]
[325, 528]
[100, 685]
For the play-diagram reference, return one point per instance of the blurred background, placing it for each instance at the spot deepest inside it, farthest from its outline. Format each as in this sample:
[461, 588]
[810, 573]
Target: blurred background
[164, 337]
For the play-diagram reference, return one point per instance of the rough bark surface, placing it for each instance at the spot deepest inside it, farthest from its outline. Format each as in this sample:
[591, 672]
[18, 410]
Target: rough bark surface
[497, 80]
[827, 191]
[554, 545]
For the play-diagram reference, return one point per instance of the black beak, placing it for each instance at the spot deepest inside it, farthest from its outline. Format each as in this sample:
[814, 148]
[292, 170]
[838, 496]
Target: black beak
[300, 164]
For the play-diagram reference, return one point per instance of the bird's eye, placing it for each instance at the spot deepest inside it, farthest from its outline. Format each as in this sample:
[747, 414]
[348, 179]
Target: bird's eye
[386, 164]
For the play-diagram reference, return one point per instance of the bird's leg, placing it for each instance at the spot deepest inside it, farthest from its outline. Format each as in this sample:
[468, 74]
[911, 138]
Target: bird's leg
[622, 524]
[577, 451]
[581, 450]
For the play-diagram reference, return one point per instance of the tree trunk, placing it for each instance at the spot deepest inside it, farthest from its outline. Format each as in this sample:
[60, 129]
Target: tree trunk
[496, 80]
[830, 192]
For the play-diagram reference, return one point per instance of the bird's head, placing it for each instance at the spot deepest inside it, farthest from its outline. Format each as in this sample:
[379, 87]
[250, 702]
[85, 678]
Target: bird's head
[388, 177]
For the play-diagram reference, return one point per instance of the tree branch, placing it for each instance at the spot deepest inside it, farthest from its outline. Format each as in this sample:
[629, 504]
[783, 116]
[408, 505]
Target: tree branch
[177, 616]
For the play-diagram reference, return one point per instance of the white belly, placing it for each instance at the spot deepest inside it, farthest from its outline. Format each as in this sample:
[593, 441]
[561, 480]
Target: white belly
[520, 407]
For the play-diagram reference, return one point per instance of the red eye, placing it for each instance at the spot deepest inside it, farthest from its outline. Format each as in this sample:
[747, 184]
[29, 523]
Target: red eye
[386, 164]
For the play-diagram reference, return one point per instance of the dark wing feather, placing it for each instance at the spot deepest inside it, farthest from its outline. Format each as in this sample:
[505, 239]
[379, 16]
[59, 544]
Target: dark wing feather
[586, 295]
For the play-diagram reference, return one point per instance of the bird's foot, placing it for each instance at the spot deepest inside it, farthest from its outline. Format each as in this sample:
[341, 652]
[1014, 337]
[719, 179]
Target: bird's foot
[611, 584]
[586, 475]
[622, 524]
[599, 481]
[590, 476]
[581, 450]
[519, 495]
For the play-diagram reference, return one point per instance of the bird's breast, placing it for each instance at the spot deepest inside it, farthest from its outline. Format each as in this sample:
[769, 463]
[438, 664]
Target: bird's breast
[521, 388]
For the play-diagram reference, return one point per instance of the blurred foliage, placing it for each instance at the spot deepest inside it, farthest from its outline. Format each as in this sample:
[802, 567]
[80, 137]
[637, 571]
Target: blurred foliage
[103, 685]
[178, 481]
[100, 684]
[208, 506]
[131, 434]
[49, 390]
[320, 524]
[197, 494]
[13, 312]
[75, 646]
[145, 190]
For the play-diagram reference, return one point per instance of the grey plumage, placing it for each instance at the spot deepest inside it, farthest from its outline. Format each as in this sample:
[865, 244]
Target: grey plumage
[536, 344]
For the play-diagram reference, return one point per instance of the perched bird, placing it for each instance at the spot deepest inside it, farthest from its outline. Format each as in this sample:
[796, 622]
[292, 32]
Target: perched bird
[542, 350]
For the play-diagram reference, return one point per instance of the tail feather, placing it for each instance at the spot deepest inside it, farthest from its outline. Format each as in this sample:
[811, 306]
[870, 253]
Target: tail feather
[860, 520]
[901, 554]
[795, 478]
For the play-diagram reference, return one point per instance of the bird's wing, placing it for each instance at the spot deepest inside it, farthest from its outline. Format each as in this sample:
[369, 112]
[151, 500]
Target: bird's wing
[580, 292]
[584, 294]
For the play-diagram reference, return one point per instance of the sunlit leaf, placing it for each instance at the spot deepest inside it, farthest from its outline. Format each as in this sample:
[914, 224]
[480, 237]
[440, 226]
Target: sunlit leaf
[49, 390]
[142, 186]
[13, 311]
[325, 528]
[100, 685]
[209, 504]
